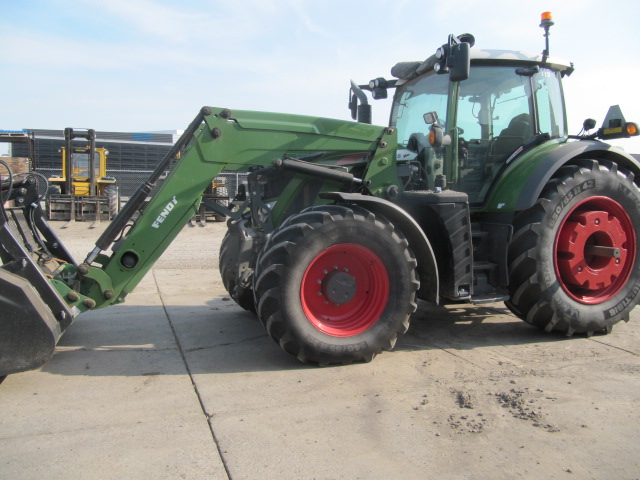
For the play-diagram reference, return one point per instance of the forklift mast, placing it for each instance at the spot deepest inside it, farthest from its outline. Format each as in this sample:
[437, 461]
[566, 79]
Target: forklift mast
[69, 135]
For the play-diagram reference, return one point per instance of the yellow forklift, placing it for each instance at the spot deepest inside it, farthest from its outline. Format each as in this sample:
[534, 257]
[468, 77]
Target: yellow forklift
[84, 192]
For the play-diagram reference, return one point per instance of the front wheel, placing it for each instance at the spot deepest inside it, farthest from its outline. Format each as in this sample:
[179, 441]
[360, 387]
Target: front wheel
[235, 263]
[573, 259]
[336, 284]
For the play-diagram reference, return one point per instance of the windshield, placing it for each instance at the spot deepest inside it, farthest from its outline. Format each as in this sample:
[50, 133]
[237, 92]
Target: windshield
[427, 94]
[80, 162]
[414, 99]
[497, 112]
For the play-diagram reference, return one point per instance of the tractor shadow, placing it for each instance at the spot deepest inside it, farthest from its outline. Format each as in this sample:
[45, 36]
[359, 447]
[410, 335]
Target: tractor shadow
[465, 326]
[220, 337]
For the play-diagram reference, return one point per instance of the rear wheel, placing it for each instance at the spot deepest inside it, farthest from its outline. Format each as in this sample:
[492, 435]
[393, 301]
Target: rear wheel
[573, 260]
[336, 284]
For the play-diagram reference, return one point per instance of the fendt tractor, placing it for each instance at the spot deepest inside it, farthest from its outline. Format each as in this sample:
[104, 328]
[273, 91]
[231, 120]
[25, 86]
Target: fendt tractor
[475, 192]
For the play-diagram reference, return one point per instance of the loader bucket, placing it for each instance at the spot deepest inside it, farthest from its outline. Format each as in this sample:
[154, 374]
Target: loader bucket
[28, 330]
[33, 314]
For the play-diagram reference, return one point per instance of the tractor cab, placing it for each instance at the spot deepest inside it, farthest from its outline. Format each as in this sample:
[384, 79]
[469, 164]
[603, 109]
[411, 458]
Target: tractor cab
[461, 134]
[463, 115]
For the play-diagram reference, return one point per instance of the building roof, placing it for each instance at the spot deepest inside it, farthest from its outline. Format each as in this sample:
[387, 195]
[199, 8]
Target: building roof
[166, 137]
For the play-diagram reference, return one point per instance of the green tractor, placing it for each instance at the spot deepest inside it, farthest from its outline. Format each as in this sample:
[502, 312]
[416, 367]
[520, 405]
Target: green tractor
[475, 192]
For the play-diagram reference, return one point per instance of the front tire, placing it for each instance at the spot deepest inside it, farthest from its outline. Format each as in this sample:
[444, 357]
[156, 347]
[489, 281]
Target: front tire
[233, 269]
[336, 284]
[573, 259]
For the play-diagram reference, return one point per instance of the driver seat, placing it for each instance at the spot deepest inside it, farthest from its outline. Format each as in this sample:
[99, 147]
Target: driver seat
[517, 133]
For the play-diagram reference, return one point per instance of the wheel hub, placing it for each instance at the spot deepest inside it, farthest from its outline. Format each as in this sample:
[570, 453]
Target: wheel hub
[344, 290]
[584, 246]
[595, 250]
[339, 287]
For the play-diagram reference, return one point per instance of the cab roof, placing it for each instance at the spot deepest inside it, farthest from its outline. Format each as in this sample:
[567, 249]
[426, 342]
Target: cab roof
[409, 70]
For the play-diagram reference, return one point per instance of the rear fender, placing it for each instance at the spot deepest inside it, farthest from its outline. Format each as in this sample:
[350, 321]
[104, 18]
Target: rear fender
[568, 152]
[427, 267]
[533, 172]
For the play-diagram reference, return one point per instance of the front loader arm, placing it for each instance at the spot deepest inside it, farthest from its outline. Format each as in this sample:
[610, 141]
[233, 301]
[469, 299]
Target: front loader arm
[216, 140]
[42, 288]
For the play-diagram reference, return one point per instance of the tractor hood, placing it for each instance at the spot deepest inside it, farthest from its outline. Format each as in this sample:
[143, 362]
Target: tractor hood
[280, 122]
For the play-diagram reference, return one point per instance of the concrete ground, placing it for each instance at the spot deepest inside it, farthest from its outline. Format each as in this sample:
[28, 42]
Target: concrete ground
[179, 382]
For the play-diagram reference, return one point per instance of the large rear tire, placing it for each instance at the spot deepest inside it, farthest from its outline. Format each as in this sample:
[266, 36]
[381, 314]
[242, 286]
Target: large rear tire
[573, 259]
[336, 284]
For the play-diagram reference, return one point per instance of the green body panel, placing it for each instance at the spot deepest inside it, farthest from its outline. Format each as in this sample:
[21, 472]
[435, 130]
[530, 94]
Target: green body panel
[235, 143]
[451, 155]
[297, 188]
[382, 170]
[277, 122]
[504, 195]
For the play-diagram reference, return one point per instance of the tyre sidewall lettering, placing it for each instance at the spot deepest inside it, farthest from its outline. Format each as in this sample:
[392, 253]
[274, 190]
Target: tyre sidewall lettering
[558, 211]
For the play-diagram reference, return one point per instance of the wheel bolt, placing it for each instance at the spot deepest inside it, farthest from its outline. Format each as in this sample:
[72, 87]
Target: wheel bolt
[597, 221]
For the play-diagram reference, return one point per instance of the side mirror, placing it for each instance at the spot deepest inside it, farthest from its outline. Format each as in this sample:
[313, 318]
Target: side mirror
[454, 57]
[430, 118]
[459, 62]
[353, 105]
[362, 111]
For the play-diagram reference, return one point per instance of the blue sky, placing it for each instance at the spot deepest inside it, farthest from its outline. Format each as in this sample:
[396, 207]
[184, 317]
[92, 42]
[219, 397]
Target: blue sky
[140, 65]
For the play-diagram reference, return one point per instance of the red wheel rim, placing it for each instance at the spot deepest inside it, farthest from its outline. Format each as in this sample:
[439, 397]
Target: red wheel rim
[344, 290]
[595, 250]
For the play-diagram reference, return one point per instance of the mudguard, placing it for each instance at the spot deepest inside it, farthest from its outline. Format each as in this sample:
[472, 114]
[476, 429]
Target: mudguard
[521, 183]
[427, 267]
[566, 153]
